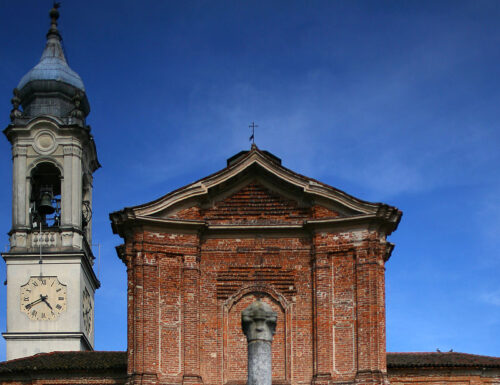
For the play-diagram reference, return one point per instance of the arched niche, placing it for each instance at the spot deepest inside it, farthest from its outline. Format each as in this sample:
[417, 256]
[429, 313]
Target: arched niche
[234, 344]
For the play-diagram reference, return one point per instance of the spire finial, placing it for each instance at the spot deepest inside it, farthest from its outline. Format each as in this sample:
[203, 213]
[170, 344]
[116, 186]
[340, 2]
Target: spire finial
[252, 137]
[54, 15]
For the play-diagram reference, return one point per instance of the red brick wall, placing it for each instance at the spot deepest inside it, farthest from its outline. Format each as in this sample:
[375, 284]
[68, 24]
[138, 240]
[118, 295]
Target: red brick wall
[234, 271]
[186, 293]
[255, 203]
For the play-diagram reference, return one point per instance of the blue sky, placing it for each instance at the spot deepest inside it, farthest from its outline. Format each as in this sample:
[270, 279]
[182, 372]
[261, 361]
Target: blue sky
[393, 101]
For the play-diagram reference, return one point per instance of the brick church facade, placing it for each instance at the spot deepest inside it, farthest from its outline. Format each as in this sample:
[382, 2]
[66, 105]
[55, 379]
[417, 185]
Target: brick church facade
[200, 255]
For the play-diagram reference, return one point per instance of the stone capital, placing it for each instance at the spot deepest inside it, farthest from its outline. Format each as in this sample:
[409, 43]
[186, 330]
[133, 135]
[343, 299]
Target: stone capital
[259, 322]
[72, 150]
[19, 151]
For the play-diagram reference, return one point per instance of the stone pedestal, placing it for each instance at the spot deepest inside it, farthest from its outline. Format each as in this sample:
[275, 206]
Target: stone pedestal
[259, 324]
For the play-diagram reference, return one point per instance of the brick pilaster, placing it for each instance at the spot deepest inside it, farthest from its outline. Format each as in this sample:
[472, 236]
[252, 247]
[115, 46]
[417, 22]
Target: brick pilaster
[371, 317]
[143, 318]
[137, 320]
[191, 340]
[344, 315]
[323, 348]
[150, 314]
[130, 316]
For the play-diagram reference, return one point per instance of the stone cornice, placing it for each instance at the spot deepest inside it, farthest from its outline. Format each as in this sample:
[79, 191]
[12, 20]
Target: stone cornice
[125, 222]
[50, 257]
[63, 127]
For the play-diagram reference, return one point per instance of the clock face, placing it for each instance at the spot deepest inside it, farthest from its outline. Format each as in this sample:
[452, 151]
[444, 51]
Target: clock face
[87, 311]
[43, 298]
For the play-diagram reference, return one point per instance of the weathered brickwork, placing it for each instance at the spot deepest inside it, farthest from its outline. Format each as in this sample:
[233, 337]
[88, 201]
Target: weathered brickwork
[255, 203]
[186, 293]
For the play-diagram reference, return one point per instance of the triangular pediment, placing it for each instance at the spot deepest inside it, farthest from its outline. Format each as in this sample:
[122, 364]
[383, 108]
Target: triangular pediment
[255, 189]
[254, 203]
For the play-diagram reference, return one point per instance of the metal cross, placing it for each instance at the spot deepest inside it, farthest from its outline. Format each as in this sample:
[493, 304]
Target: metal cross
[252, 137]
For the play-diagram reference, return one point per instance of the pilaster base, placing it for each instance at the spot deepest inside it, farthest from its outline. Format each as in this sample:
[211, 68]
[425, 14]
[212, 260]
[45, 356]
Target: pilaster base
[192, 380]
[322, 379]
[371, 377]
[142, 379]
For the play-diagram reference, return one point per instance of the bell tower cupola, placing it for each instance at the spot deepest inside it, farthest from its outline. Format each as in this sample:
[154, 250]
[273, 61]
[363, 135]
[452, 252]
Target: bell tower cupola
[50, 277]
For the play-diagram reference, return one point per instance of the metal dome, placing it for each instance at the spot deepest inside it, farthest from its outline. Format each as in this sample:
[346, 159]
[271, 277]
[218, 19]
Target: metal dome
[53, 64]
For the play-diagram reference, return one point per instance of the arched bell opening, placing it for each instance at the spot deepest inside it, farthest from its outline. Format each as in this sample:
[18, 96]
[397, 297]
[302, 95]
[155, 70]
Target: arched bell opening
[45, 198]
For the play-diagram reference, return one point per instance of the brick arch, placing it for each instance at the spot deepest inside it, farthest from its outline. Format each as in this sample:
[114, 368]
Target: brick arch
[234, 341]
[258, 290]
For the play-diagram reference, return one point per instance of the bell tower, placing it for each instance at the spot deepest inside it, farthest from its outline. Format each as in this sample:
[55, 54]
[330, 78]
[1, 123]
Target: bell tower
[50, 277]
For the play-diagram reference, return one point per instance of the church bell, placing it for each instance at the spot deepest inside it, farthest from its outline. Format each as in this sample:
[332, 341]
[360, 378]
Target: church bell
[46, 195]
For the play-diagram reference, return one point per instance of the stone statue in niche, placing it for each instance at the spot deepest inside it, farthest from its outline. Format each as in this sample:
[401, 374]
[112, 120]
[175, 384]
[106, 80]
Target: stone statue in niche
[258, 322]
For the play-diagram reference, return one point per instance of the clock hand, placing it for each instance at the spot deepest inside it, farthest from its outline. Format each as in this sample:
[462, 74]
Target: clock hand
[46, 302]
[30, 305]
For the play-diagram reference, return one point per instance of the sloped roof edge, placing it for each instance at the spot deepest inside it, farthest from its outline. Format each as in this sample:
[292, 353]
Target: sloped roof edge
[440, 359]
[72, 360]
[117, 360]
[268, 163]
